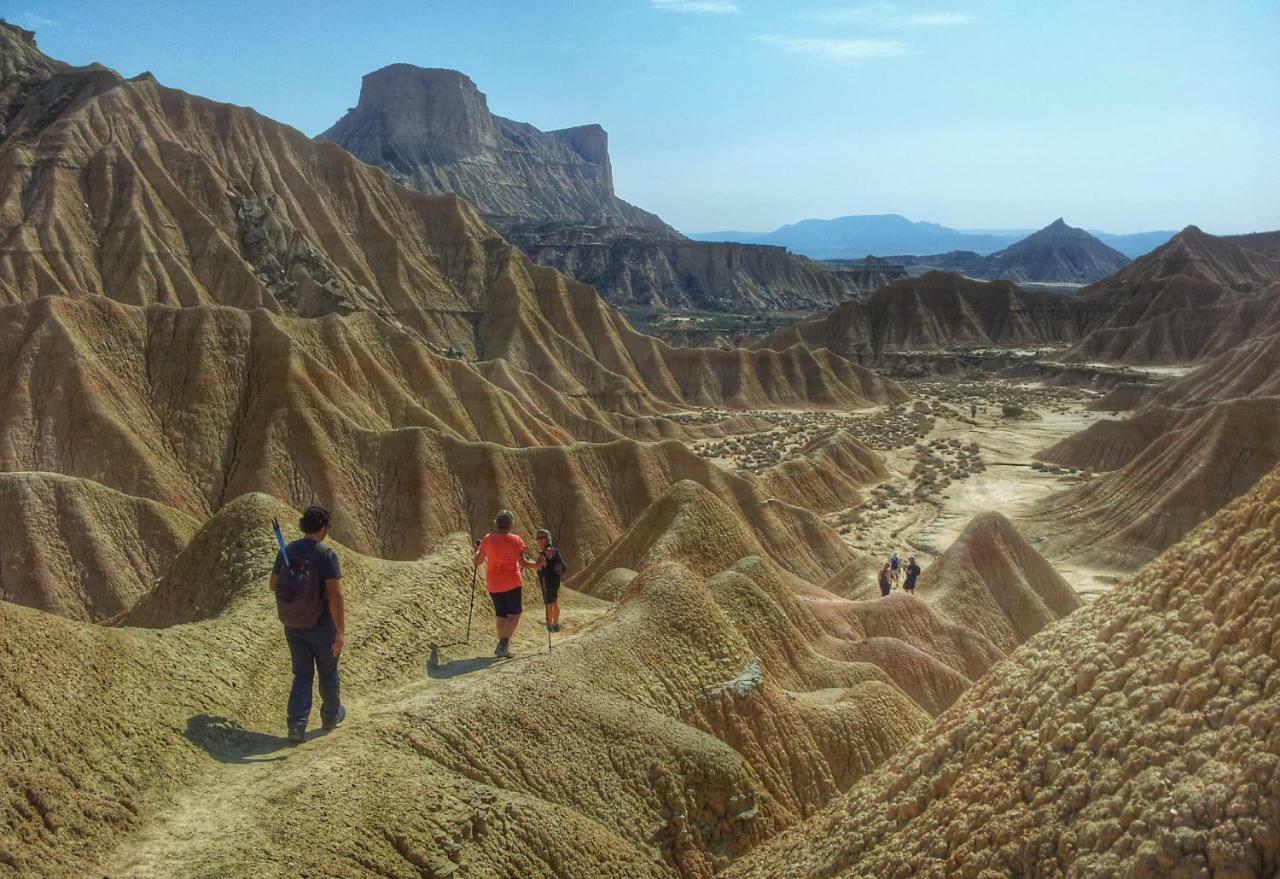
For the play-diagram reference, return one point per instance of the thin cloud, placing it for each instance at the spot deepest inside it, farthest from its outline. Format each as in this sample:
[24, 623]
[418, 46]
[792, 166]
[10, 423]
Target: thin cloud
[32, 21]
[840, 51]
[891, 16]
[938, 19]
[696, 7]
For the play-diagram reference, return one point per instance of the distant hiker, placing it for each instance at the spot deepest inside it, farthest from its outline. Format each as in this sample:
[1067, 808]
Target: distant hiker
[551, 568]
[307, 581]
[885, 583]
[895, 566]
[913, 571]
[504, 556]
[973, 408]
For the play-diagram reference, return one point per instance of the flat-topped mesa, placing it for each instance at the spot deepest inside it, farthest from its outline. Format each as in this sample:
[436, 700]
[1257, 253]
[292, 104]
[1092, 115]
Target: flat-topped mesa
[431, 129]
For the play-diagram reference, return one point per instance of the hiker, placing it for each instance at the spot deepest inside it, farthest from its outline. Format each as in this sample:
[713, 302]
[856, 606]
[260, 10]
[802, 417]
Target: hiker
[973, 408]
[885, 585]
[913, 571]
[895, 565]
[504, 555]
[308, 588]
[551, 568]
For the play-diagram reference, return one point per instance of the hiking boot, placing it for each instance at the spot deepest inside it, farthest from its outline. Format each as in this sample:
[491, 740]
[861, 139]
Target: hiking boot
[332, 723]
[297, 733]
[555, 627]
[503, 651]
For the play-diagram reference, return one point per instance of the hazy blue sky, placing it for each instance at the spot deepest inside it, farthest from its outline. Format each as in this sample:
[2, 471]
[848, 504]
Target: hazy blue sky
[746, 114]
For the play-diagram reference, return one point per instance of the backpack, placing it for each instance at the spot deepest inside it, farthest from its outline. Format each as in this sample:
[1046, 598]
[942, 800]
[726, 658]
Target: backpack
[299, 592]
[558, 567]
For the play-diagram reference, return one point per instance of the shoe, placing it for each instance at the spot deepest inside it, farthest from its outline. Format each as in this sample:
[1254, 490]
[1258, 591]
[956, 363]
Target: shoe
[333, 724]
[555, 627]
[503, 651]
[297, 734]
[498, 650]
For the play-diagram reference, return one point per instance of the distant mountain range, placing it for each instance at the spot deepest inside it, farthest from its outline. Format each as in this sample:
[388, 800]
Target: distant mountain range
[862, 235]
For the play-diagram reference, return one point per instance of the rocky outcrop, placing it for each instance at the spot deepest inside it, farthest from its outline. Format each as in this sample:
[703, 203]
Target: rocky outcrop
[551, 192]
[431, 130]
[658, 272]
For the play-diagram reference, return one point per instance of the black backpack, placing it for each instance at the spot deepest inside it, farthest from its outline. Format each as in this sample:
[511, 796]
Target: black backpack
[557, 565]
[299, 592]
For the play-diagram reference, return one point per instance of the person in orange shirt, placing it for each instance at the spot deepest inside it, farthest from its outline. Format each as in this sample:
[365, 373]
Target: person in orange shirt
[504, 555]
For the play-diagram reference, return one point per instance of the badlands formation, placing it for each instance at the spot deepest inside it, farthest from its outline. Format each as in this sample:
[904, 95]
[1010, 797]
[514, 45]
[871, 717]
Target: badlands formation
[208, 320]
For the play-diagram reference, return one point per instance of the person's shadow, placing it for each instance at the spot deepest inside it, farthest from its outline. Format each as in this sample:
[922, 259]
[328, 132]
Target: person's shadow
[458, 666]
[227, 742]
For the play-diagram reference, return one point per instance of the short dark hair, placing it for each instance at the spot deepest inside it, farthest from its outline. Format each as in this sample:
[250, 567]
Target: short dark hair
[313, 519]
[505, 520]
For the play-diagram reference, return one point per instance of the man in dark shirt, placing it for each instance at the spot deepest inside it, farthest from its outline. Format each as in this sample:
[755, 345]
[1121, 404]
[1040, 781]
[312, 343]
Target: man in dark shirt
[913, 571]
[316, 650]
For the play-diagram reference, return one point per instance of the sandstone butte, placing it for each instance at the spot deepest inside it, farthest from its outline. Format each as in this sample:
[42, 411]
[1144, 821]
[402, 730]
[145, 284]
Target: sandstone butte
[551, 193]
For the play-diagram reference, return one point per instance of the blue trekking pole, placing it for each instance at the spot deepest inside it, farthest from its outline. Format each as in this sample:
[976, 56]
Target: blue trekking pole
[284, 553]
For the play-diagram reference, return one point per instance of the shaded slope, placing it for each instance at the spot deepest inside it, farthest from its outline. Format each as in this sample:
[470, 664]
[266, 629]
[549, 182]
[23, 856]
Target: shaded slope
[1180, 479]
[1194, 296]
[81, 550]
[1138, 737]
[939, 311]
[1109, 445]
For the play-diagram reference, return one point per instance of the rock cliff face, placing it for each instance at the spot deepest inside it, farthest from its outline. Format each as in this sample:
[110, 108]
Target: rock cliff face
[431, 130]
[661, 272]
[551, 192]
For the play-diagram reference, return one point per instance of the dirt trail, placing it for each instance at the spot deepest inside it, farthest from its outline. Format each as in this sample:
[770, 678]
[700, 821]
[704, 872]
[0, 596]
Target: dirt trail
[218, 810]
[1008, 485]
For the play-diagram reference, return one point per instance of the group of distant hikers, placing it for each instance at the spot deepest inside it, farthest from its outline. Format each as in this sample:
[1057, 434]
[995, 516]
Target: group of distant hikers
[894, 570]
[307, 582]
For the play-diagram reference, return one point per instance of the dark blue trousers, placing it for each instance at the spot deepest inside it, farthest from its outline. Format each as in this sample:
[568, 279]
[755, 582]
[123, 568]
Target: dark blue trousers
[312, 653]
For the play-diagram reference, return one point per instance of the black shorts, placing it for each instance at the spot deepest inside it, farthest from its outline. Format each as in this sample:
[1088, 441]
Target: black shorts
[507, 604]
[550, 591]
[910, 585]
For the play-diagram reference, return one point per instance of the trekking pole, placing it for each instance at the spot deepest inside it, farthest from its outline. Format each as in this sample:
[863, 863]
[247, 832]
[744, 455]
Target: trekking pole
[546, 614]
[471, 608]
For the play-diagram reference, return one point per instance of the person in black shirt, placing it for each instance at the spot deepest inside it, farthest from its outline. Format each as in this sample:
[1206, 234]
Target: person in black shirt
[883, 580]
[316, 650]
[913, 571]
[550, 570]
